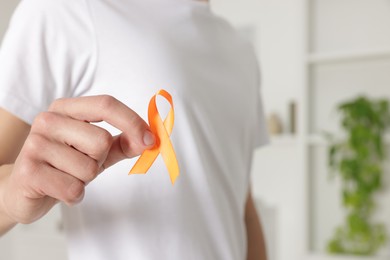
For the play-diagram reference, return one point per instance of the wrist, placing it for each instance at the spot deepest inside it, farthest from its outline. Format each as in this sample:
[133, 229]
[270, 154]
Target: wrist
[6, 222]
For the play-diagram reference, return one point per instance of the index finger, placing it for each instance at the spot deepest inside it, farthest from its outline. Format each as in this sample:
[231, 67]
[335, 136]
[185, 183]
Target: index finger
[104, 108]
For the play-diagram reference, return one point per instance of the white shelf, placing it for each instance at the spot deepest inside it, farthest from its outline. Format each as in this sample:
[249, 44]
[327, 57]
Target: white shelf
[347, 56]
[284, 139]
[316, 139]
[342, 257]
[319, 140]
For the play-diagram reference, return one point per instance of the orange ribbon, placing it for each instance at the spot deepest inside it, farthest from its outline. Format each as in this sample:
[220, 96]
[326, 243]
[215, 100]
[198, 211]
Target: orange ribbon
[162, 131]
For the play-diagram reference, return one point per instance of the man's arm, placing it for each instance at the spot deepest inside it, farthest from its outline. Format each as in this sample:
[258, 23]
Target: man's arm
[6, 223]
[13, 133]
[255, 237]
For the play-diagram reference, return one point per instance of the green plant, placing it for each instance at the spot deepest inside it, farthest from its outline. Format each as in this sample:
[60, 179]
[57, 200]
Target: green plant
[358, 160]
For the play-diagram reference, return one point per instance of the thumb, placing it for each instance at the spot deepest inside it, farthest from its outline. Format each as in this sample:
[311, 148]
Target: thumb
[123, 148]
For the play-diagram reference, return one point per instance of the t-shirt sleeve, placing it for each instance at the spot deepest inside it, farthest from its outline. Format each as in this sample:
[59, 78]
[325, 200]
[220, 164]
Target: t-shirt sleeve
[46, 54]
[260, 134]
[260, 130]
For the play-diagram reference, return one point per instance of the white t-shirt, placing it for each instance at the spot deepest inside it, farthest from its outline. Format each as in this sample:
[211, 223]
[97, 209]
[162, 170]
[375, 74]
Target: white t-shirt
[129, 49]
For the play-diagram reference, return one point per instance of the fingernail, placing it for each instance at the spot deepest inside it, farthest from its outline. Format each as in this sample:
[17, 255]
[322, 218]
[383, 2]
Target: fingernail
[149, 138]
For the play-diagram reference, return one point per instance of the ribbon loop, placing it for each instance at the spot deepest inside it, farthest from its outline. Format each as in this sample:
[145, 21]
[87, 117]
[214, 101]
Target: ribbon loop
[162, 131]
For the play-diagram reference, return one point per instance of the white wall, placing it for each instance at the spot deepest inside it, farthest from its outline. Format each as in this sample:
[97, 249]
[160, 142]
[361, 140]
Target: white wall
[350, 25]
[6, 9]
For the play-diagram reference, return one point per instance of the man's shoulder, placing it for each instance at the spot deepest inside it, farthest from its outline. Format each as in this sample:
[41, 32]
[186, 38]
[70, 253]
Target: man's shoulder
[49, 9]
[51, 4]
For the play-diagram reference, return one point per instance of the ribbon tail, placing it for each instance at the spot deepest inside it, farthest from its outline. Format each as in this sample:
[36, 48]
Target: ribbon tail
[145, 161]
[169, 157]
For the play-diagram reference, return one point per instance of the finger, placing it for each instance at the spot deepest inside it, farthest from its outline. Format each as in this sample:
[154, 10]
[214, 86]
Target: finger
[70, 161]
[86, 138]
[118, 152]
[108, 109]
[56, 184]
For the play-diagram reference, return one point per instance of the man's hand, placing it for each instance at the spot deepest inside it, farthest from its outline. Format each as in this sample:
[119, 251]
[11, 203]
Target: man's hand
[63, 152]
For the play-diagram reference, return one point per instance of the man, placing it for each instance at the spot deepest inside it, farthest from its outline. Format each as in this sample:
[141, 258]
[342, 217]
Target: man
[75, 81]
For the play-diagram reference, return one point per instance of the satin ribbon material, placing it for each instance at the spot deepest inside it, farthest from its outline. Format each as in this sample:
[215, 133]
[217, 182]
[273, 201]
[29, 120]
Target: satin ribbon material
[162, 131]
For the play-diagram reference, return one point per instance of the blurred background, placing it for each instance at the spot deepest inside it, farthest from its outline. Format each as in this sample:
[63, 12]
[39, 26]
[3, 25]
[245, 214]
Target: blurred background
[315, 55]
